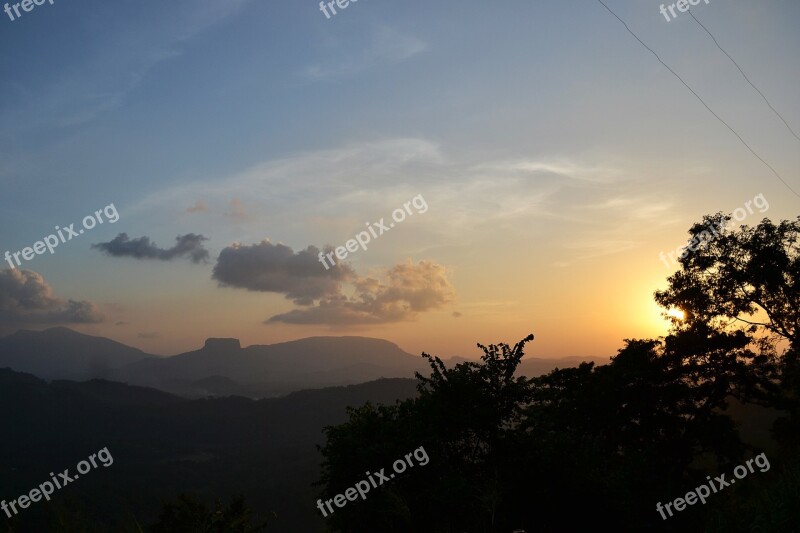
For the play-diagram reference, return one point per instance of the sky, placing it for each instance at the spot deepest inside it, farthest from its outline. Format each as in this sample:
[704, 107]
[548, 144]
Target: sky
[545, 159]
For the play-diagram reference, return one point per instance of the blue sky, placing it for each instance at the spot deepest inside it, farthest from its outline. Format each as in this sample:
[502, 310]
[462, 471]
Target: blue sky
[556, 155]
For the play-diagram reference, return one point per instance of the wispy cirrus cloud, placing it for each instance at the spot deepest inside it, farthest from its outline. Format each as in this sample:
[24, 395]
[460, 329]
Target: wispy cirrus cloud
[569, 205]
[384, 46]
[121, 57]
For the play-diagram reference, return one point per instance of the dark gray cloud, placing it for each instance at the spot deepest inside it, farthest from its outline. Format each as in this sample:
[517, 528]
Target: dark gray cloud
[409, 290]
[277, 268]
[26, 298]
[189, 245]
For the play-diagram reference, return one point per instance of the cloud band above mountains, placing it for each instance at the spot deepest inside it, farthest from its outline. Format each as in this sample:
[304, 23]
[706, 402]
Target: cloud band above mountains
[408, 290]
[26, 298]
[268, 267]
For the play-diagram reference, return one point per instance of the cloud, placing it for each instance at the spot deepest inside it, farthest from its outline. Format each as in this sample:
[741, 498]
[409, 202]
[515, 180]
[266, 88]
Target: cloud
[198, 207]
[410, 290]
[238, 211]
[277, 268]
[457, 314]
[265, 267]
[385, 46]
[189, 245]
[25, 297]
[323, 195]
[357, 181]
[124, 53]
[374, 174]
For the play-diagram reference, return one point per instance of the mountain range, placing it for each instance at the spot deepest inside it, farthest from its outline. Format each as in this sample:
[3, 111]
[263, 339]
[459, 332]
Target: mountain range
[222, 367]
[163, 445]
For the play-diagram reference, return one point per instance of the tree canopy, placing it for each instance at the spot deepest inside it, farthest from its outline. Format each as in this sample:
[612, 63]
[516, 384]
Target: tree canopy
[598, 445]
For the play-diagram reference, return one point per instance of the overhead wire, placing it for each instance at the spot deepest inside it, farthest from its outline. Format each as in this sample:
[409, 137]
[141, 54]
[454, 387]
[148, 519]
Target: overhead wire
[745, 75]
[700, 99]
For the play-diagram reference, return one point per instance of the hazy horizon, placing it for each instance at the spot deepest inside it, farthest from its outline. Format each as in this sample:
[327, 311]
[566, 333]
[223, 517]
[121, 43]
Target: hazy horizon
[201, 344]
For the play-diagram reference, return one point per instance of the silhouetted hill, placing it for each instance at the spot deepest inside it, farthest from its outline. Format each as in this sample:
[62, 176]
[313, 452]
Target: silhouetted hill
[61, 353]
[162, 444]
[222, 367]
[270, 370]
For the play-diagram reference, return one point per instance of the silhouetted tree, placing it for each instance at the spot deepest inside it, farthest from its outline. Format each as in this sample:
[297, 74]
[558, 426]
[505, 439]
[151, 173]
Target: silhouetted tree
[595, 445]
[744, 282]
[465, 418]
[189, 515]
[741, 291]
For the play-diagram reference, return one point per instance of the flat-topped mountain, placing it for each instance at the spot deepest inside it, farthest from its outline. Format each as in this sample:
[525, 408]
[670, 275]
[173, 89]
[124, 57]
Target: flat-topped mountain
[221, 345]
[268, 370]
[222, 367]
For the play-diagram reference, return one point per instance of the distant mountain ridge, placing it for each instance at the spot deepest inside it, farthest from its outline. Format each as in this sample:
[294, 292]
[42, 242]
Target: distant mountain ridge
[274, 369]
[222, 367]
[61, 353]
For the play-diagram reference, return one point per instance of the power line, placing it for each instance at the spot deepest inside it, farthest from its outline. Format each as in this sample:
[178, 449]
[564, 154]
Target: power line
[701, 100]
[745, 76]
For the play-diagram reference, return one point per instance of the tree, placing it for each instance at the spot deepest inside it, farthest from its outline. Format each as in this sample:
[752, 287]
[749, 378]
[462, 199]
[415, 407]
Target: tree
[476, 409]
[743, 289]
[593, 445]
[746, 279]
[621, 437]
[466, 418]
[189, 515]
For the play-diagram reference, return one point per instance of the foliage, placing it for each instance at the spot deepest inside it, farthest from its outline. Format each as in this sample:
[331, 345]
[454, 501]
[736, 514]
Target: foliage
[597, 445]
[189, 515]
